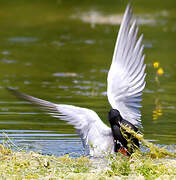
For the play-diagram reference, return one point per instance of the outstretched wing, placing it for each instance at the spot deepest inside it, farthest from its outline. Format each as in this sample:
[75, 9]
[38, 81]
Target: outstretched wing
[87, 123]
[126, 77]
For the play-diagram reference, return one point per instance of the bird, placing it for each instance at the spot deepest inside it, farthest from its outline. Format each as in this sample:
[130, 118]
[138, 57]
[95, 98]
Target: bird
[125, 84]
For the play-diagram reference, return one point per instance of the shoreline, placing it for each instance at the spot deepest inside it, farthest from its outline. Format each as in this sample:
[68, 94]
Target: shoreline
[32, 165]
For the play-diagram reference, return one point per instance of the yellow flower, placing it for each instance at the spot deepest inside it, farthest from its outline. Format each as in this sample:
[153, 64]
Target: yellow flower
[160, 71]
[156, 64]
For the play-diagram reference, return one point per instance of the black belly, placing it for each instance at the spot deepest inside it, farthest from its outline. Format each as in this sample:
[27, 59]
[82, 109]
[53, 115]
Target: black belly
[126, 139]
[117, 134]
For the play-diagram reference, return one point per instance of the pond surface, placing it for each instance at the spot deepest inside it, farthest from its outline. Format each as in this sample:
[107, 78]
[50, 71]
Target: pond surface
[61, 51]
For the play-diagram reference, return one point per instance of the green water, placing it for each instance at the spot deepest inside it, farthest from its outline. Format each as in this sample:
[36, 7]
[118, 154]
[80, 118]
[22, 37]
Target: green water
[61, 51]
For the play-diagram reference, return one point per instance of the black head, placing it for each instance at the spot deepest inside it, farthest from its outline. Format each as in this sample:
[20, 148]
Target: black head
[114, 117]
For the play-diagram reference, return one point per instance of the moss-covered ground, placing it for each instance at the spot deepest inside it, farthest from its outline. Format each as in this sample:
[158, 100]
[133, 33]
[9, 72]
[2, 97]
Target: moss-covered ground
[156, 163]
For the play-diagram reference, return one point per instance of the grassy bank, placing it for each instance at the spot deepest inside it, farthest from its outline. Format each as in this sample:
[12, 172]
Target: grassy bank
[22, 165]
[154, 163]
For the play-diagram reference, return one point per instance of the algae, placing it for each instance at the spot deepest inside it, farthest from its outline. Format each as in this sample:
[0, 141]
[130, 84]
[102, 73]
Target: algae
[156, 163]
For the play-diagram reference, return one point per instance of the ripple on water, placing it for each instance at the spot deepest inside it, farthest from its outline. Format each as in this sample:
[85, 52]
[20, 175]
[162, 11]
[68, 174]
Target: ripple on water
[46, 142]
[6, 52]
[82, 87]
[67, 74]
[9, 61]
[23, 39]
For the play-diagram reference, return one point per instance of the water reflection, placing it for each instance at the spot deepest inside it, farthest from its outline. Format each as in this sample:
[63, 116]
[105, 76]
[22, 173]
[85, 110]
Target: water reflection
[157, 112]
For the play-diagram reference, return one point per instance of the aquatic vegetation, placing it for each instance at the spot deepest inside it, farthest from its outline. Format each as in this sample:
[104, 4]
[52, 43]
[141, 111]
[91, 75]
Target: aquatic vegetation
[153, 164]
[157, 112]
[156, 65]
[153, 150]
[141, 167]
[36, 166]
[160, 71]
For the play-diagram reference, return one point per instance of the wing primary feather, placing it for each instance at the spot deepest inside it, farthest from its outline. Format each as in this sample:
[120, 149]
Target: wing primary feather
[126, 18]
[135, 64]
[90, 127]
[42, 103]
[131, 43]
[140, 70]
[126, 77]
[135, 53]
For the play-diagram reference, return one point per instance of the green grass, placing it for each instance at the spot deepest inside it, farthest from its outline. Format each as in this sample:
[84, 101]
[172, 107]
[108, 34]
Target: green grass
[157, 163]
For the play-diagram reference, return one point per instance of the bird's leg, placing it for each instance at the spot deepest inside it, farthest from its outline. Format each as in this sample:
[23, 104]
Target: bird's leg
[118, 147]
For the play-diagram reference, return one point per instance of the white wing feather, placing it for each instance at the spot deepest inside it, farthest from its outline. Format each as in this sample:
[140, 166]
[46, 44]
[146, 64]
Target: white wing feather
[126, 77]
[89, 126]
[126, 80]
